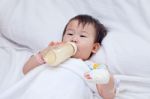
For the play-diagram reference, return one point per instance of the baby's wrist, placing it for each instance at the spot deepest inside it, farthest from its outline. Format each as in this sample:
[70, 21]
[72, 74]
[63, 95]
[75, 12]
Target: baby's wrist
[39, 58]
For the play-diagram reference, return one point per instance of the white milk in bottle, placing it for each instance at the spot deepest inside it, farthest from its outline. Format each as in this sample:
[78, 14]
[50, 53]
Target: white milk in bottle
[57, 55]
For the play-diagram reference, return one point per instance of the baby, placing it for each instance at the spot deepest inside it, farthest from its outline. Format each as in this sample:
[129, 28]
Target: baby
[87, 33]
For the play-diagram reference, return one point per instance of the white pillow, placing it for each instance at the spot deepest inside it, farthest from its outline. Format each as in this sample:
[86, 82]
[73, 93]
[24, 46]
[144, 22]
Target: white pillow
[34, 23]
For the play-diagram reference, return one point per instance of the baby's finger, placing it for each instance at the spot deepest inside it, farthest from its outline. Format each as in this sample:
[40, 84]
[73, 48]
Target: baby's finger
[87, 76]
[51, 43]
[58, 43]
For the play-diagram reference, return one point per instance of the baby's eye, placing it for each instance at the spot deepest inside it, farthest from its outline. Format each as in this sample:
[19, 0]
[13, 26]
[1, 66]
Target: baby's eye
[82, 36]
[69, 33]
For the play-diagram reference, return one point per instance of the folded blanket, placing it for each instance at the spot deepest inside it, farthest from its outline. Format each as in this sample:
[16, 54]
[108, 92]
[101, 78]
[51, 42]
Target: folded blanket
[11, 64]
[63, 82]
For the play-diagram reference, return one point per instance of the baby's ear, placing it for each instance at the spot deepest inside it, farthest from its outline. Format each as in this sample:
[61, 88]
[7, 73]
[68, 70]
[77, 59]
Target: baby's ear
[96, 46]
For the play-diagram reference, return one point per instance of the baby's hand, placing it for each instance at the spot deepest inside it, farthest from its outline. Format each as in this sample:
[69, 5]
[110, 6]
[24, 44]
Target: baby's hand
[98, 76]
[55, 44]
[51, 45]
[87, 75]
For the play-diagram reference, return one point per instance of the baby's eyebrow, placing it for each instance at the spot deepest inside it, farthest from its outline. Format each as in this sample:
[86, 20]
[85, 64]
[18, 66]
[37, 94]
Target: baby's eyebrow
[69, 29]
[84, 32]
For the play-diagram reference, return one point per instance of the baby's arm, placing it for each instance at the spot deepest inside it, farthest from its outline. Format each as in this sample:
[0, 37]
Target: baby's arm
[36, 60]
[107, 91]
[100, 75]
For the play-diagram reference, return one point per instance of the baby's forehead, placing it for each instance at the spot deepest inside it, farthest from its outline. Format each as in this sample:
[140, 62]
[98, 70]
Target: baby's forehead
[77, 23]
[83, 23]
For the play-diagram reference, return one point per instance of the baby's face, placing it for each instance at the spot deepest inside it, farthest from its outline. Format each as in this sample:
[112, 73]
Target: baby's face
[84, 38]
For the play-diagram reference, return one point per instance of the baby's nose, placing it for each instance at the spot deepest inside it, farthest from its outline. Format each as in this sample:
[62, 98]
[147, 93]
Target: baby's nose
[74, 39]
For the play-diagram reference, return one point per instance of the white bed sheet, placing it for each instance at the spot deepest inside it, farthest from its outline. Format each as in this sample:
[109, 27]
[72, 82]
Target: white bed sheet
[125, 49]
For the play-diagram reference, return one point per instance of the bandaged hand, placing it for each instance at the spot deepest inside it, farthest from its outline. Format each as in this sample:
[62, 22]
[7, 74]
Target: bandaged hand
[98, 74]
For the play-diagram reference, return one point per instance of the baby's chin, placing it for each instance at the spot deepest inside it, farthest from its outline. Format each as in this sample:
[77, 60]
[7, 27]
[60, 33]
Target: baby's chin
[78, 56]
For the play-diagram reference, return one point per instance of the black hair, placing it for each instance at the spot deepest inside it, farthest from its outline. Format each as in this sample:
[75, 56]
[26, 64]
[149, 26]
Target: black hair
[84, 19]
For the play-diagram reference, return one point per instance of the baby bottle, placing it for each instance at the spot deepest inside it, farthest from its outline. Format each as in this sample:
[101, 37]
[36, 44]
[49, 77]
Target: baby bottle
[57, 55]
